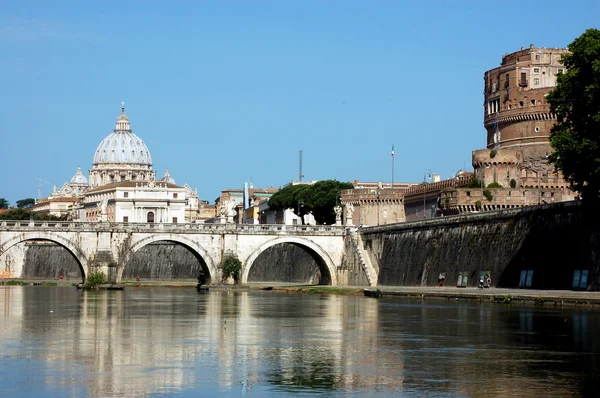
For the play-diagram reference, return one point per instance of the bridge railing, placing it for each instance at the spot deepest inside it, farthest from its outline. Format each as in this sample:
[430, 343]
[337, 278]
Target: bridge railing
[8, 225]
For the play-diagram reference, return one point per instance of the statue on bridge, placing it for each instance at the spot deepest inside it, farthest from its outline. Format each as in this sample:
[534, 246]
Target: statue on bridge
[338, 215]
[349, 211]
[103, 207]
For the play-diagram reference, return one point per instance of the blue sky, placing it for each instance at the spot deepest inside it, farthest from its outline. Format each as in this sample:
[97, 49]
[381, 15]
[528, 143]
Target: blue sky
[228, 91]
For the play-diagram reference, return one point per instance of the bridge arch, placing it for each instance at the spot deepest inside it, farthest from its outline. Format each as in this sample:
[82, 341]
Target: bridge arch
[303, 242]
[70, 246]
[200, 253]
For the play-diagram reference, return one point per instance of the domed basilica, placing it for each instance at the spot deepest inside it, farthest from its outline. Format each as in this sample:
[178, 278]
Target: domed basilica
[122, 186]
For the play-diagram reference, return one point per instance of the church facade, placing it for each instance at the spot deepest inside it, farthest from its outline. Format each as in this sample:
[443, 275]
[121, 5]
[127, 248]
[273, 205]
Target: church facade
[122, 186]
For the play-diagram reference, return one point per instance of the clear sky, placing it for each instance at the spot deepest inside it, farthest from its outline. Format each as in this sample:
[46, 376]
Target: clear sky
[223, 92]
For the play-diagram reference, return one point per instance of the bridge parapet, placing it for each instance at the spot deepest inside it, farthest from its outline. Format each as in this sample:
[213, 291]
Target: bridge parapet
[240, 229]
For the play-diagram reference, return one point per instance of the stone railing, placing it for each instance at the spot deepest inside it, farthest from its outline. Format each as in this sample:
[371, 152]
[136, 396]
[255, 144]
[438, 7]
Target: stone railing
[246, 229]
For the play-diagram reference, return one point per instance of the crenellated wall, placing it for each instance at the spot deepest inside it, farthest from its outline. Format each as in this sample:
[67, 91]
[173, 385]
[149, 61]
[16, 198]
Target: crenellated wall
[552, 241]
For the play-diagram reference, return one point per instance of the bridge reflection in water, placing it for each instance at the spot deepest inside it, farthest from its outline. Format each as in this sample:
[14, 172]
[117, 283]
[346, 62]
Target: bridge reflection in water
[161, 341]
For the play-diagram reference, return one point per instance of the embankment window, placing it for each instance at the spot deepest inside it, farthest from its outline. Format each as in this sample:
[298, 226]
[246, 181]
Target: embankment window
[125, 194]
[125, 219]
[150, 217]
[174, 220]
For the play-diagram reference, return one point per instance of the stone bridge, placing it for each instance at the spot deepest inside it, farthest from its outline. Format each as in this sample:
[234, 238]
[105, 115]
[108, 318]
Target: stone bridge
[108, 247]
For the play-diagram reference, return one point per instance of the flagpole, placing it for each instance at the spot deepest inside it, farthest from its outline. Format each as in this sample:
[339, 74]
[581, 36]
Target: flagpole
[393, 166]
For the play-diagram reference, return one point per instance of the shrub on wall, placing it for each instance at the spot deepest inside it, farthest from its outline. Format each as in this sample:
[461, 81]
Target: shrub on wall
[231, 268]
[488, 195]
[513, 183]
[495, 185]
[478, 205]
[475, 183]
[493, 154]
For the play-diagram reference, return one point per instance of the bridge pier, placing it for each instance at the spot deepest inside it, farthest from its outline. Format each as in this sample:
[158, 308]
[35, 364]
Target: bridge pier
[103, 261]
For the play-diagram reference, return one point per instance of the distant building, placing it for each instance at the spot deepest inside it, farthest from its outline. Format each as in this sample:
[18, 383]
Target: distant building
[374, 203]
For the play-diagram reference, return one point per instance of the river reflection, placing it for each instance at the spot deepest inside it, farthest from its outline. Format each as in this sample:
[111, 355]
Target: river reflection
[58, 341]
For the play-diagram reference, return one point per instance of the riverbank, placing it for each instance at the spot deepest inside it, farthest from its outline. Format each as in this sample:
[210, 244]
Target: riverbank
[495, 295]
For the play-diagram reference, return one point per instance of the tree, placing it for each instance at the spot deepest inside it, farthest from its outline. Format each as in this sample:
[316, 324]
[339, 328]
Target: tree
[28, 214]
[25, 203]
[319, 198]
[576, 103]
[4, 203]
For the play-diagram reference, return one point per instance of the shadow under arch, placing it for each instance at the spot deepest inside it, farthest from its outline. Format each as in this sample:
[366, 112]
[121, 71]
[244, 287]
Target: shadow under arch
[206, 262]
[326, 265]
[78, 255]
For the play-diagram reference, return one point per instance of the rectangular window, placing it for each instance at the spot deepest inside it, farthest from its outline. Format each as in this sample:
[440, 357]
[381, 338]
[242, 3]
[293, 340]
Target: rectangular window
[536, 82]
[536, 70]
[125, 194]
[523, 81]
[174, 220]
[175, 195]
[125, 219]
[538, 56]
[560, 70]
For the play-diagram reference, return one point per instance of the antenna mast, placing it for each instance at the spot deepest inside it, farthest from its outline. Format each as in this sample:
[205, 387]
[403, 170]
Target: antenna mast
[300, 175]
[41, 183]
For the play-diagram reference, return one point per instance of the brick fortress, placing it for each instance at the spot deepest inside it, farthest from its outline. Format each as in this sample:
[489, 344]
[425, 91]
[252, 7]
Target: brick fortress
[518, 121]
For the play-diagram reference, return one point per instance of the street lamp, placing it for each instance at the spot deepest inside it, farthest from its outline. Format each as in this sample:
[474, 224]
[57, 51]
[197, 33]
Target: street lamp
[427, 175]
[300, 204]
[378, 188]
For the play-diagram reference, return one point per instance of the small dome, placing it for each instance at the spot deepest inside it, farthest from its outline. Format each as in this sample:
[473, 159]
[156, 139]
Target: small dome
[78, 178]
[168, 178]
[122, 146]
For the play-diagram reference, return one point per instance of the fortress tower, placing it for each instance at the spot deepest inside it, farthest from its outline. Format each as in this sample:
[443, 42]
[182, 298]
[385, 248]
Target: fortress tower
[518, 121]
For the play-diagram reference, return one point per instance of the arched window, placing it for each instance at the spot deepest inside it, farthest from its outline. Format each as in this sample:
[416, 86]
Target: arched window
[150, 217]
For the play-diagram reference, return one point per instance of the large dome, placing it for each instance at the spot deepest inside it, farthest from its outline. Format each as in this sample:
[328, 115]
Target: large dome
[122, 146]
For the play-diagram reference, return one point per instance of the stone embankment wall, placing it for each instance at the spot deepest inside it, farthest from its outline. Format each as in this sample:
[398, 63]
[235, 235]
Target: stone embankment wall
[286, 263]
[163, 261]
[47, 260]
[552, 241]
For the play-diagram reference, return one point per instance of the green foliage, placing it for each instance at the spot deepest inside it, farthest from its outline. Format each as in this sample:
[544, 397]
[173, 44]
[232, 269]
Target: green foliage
[506, 299]
[231, 268]
[25, 203]
[493, 153]
[513, 183]
[475, 183]
[495, 185]
[94, 280]
[576, 103]
[28, 214]
[4, 203]
[488, 195]
[478, 205]
[15, 283]
[319, 198]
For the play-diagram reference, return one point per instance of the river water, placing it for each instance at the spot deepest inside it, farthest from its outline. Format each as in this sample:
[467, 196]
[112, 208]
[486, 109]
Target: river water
[60, 341]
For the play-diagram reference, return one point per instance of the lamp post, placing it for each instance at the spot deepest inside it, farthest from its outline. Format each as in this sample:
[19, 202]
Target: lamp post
[378, 188]
[427, 175]
[300, 204]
